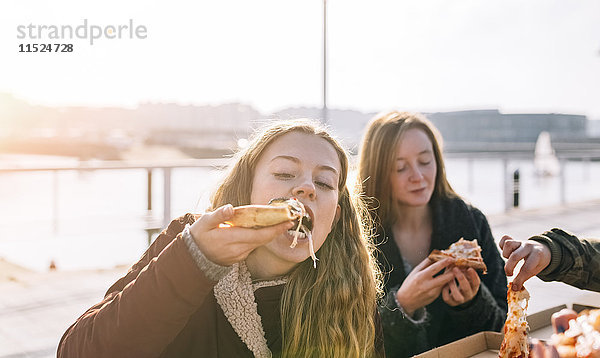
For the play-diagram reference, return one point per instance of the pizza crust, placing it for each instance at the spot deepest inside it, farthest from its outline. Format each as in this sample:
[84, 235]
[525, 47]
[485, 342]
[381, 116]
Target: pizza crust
[254, 216]
[278, 211]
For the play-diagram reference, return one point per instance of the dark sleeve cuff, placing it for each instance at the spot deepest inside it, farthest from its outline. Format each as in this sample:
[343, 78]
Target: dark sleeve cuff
[418, 317]
[393, 315]
[555, 254]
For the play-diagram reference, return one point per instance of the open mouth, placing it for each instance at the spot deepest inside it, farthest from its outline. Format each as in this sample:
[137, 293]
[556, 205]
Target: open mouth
[306, 224]
[303, 225]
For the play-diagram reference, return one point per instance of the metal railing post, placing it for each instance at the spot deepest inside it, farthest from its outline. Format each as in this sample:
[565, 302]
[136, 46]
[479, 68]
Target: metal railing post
[149, 195]
[150, 229]
[55, 202]
[166, 197]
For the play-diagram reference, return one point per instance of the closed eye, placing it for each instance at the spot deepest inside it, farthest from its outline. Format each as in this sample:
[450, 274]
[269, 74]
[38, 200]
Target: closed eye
[324, 185]
[283, 175]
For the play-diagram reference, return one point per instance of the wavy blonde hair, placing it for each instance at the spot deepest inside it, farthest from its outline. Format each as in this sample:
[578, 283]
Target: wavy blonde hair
[328, 311]
[377, 155]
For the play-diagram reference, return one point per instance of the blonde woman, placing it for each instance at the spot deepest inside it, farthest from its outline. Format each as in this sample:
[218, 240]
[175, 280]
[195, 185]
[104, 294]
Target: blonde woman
[427, 304]
[202, 290]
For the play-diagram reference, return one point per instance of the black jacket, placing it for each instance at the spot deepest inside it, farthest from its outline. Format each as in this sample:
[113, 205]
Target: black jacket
[452, 219]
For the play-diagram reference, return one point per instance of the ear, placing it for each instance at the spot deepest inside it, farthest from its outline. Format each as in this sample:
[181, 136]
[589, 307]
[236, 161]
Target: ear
[338, 213]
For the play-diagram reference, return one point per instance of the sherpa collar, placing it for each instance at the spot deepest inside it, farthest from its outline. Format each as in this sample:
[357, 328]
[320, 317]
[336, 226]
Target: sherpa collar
[235, 295]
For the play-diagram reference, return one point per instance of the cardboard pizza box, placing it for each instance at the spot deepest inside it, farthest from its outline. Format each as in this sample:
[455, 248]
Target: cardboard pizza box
[540, 323]
[480, 345]
[577, 307]
[486, 344]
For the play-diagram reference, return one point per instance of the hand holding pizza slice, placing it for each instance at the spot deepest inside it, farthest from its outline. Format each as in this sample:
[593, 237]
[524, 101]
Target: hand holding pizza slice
[277, 211]
[224, 244]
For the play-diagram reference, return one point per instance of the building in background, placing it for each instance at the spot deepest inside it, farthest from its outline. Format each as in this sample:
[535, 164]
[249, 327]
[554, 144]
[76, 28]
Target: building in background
[214, 131]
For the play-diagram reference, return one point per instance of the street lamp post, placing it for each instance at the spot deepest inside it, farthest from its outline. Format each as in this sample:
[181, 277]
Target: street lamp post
[324, 114]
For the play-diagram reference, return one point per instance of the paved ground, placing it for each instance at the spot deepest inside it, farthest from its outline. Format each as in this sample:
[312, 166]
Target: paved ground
[35, 309]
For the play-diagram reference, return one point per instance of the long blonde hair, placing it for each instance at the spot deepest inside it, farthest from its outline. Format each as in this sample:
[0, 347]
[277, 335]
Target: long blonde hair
[377, 152]
[328, 311]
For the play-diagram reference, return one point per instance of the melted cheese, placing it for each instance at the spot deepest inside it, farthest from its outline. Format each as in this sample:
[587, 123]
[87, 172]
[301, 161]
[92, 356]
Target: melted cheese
[516, 327]
[296, 233]
[464, 248]
[299, 207]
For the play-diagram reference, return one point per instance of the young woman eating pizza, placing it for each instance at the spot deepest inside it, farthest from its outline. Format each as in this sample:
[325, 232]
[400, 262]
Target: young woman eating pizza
[207, 289]
[416, 211]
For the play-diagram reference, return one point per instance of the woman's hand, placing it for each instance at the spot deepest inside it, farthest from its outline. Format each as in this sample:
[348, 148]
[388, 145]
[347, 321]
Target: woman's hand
[537, 257]
[463, 288]
[228, 245]
[420, 287]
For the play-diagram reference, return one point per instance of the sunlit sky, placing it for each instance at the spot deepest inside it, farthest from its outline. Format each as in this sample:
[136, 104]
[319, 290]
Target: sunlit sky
[514, 55]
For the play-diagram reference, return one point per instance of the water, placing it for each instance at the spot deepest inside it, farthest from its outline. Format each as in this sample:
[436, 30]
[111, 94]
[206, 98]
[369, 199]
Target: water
[101, 213]
[485, 189]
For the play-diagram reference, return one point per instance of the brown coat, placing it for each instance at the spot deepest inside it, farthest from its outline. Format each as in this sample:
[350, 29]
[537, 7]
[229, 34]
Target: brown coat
[165, 307]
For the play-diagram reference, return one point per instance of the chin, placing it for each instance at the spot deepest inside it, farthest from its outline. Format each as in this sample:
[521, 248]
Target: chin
[295, 255]
[418, 203]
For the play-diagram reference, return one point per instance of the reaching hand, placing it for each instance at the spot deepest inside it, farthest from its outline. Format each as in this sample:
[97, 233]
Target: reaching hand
[536, 255]
[454, 293]
[420, 287]
[228, 245]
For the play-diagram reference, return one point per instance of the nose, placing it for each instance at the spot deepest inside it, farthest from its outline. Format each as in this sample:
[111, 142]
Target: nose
[305, 189]
[415, 174]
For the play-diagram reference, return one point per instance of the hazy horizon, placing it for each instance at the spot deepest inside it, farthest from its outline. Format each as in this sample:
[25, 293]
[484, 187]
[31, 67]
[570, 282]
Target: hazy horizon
[290, 106]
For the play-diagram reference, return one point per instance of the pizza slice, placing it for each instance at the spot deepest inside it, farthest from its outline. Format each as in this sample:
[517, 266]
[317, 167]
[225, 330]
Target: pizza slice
[277, 211]
[582, 338]
[465, 254]
[514, 344]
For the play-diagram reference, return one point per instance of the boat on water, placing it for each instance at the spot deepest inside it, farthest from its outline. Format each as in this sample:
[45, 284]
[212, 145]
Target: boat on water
[545, 161]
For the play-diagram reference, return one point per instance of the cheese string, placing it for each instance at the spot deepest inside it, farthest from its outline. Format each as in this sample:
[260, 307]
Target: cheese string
[296, 234]
[312, 250]
[311, 247]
